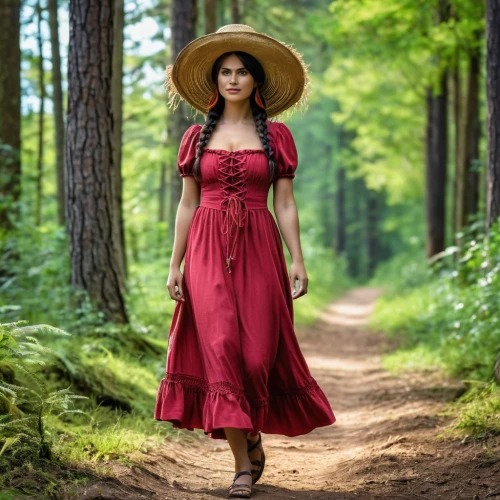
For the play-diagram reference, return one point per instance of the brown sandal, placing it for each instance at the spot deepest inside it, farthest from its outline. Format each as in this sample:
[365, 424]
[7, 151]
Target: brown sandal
[240, 490]
[257, 473]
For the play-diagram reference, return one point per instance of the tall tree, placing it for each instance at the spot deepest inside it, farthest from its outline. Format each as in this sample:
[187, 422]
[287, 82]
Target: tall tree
[41, 115]
[493, 105]
[94, 246]
[472, 133]
[467, 135]
[184, 17]
[458, 117]
[493, 127]
[437, 156]
[57, 100]
[117, 100]
[10, 110]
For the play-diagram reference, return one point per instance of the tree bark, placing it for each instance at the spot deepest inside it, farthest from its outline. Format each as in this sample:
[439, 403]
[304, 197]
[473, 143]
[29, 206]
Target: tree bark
[437, 153]
[184, 18]
[493, 106]
[117, 104]
[437, 156]
[57, 99]
[91, 218]
[493, 126]
[210, 16]
[41, 114]
[472, 135]
[460, 171]
[371, 231]
[235, 12]
[340, 206]
[10, 112]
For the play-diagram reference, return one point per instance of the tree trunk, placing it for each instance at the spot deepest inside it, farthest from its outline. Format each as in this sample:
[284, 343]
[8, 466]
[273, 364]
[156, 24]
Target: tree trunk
[355, 248]
[210, 16]
[184, 18]
[371, 231]
[437, 146]
[340, 206]
[91, 218]
[493, 105]
[460, 172]
[10, 112]
[493, 127]
[41, 86]
[57, 99]
[117, 103]
[162, 202]
[472, 135]
[235, 12]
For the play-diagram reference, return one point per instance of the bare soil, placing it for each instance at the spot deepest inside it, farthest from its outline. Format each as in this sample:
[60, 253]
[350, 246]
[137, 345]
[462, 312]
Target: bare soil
[386, 444]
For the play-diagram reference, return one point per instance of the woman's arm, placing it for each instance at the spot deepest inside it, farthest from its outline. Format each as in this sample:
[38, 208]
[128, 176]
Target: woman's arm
[287, 217]
[190, 200]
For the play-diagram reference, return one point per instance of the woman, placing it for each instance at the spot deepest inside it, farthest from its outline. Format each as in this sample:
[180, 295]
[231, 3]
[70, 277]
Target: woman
[234, 366]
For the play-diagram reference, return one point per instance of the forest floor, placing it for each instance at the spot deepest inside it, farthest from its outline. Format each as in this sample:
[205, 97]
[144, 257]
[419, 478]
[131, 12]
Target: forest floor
[386, 443]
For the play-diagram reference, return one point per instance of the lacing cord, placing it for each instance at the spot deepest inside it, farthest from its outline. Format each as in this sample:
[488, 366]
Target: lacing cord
[233, 186]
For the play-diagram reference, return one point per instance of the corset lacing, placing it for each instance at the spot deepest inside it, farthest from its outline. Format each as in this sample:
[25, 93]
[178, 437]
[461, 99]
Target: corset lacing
[233, 186]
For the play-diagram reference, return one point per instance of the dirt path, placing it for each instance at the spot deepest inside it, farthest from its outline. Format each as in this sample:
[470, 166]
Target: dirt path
[383, 445]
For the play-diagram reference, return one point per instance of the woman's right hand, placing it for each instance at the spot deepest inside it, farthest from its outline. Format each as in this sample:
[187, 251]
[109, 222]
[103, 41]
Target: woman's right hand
[174, 284]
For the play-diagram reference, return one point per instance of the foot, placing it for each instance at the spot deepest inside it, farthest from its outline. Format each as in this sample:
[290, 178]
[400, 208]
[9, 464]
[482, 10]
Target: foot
[256, 456]
[242, 485]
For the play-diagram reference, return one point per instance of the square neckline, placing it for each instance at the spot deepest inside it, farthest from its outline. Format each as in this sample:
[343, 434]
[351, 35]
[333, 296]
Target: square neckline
[244, 150]
[225, 151]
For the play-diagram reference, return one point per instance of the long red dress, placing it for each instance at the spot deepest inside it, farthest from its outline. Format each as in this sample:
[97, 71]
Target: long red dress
[233, 359]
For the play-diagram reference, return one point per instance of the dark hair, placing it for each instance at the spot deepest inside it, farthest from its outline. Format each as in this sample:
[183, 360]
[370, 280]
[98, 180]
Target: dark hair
[259, 114]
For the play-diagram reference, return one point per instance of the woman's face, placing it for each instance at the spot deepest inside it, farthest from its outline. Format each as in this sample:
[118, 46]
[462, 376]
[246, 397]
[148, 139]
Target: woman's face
[233, 75]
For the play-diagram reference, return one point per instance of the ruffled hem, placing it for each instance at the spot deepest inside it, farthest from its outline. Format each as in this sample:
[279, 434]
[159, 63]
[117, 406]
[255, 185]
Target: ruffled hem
[191, 403]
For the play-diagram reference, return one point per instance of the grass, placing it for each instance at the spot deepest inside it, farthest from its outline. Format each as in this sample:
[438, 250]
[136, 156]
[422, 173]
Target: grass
[418, 358]
[441, 323]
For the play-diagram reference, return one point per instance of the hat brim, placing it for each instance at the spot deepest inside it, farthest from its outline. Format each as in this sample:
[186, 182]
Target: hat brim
[286, 74]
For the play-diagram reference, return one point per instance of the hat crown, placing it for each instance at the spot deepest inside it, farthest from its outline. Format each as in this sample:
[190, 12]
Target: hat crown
[235, 28]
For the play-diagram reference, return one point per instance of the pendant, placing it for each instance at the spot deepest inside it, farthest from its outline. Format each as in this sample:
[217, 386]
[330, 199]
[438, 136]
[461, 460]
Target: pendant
[228, 264]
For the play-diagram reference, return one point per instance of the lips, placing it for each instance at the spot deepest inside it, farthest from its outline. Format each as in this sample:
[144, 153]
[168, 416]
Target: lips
[233, 91]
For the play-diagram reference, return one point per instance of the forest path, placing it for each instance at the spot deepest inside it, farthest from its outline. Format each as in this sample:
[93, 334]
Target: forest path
[383, 446]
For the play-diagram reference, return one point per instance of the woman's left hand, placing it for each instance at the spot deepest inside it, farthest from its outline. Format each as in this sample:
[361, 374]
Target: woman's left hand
[298, 272]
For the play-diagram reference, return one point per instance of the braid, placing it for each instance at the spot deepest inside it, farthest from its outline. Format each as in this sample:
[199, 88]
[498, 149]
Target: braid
[206, 131]
[260, 117]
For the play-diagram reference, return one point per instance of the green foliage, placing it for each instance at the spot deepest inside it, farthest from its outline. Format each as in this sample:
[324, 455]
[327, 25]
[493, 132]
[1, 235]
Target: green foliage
[25, 397]
[445, 315]
[421, 357]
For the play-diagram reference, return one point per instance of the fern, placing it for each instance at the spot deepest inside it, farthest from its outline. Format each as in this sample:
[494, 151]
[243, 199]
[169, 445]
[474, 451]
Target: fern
[23, 433]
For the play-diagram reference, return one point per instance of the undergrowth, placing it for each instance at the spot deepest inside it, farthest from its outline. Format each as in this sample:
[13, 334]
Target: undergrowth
[444, 314]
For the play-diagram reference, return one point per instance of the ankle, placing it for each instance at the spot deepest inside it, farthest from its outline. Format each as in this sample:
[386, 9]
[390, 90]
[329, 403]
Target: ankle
[243, 464]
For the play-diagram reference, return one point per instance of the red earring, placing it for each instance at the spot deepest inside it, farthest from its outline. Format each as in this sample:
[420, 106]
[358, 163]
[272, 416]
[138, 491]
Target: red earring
[213, 99]
[258, 99]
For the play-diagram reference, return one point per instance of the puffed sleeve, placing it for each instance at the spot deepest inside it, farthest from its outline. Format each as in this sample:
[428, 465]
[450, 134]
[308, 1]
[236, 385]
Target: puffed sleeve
[187, 150]
[285, 151]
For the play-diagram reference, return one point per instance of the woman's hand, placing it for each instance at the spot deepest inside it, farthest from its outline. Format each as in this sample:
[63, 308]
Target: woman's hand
[298, 272]
[174, 284]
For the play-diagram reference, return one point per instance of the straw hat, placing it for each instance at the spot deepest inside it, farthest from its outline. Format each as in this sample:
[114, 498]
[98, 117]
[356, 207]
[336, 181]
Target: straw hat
[287, 80]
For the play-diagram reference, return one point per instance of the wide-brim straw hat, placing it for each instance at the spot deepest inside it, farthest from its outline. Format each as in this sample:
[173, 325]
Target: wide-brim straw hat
[286, 86]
